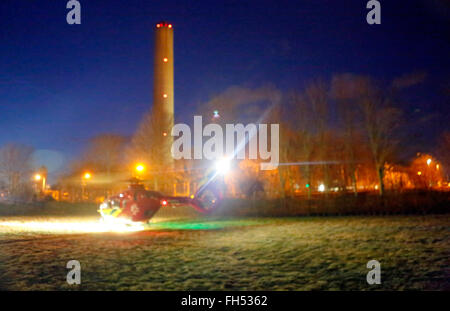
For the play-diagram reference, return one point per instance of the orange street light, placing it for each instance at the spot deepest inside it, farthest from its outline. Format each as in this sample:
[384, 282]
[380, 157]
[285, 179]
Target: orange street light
[140, 168]
[86, 177]
[40, 178]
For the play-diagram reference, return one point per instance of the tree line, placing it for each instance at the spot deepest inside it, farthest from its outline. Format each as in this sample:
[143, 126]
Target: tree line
[342, 133]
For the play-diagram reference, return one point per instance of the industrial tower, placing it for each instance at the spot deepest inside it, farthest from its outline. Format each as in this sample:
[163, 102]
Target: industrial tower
[163, 89]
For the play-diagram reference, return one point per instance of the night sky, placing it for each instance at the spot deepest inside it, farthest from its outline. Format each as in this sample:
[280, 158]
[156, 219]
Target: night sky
[61, 84]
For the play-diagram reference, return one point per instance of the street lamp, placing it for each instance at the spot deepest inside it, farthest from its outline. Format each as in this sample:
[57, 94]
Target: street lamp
[140, 168]
[38, 177]
[85, 178]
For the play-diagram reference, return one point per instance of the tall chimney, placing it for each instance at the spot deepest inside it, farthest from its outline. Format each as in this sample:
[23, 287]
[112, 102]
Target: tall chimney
[163, 89]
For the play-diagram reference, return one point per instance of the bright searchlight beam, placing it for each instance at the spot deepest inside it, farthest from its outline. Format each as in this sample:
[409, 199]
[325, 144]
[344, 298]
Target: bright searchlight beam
[223, 166]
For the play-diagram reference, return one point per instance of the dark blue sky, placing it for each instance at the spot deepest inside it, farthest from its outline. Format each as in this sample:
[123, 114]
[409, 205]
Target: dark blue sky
[61, 84]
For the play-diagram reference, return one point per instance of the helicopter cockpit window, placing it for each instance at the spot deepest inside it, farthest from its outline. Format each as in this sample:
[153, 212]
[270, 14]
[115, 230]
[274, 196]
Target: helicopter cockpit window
[115, 203]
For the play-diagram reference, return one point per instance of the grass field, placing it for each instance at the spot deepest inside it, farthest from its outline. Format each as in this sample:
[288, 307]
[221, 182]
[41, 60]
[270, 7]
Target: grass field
[318, 253]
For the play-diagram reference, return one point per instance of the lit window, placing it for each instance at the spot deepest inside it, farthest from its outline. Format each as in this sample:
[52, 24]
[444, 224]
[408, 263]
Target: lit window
[158, 25]
[165, 59]
[165, 95]
[170, 25]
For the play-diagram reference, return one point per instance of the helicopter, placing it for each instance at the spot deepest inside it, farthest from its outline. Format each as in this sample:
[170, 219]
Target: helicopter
[138, 205]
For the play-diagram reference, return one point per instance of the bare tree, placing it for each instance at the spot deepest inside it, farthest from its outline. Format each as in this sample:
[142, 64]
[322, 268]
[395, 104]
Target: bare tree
[106, 152]
[148, 141]
[346, 92]
[146, 147]
[305, 144]
[317, 96]
[288, 145]
[104, 158]
[381, 121]
[444, 152]
[15, 169]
